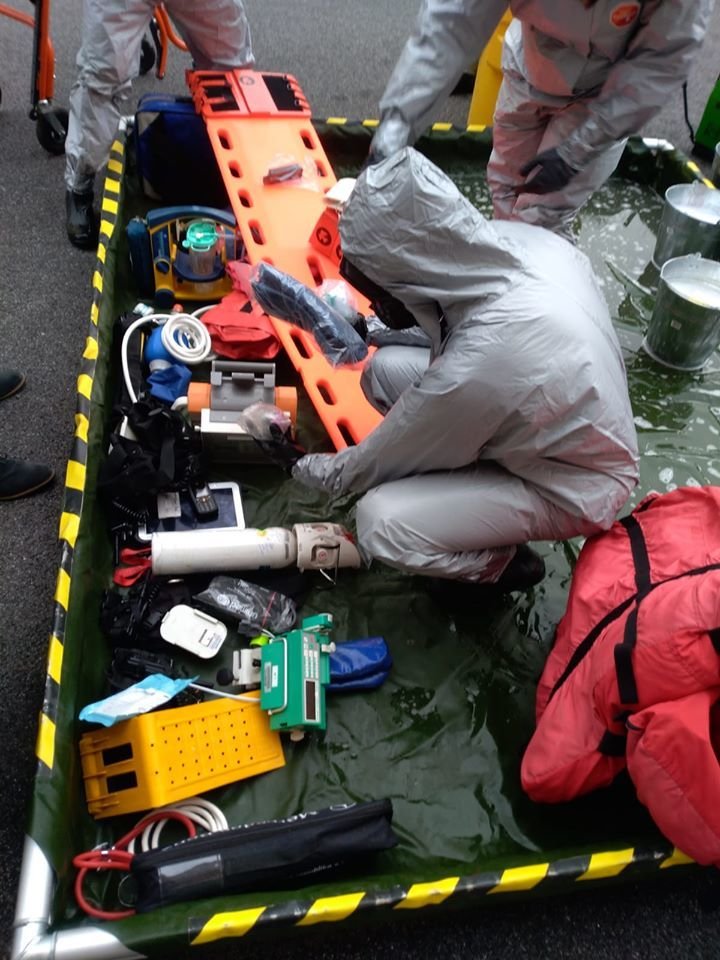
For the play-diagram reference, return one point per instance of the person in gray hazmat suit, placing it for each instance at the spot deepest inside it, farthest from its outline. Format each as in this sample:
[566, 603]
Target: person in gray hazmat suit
[579, 76]
[512, 422]
[218, 37]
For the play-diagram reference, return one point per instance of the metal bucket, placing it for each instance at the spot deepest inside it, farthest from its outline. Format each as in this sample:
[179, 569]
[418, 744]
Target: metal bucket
[690, 223]
[684, 330]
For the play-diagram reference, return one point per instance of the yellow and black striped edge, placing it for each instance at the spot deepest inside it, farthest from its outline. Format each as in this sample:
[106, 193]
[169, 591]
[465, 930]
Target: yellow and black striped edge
[538, 877]
[440, 127]
[443, 127]
[76, 468]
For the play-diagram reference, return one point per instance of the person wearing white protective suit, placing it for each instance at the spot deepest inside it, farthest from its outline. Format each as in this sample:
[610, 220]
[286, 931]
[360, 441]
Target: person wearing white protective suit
[513, 423]
[579, 76]
[218, 37]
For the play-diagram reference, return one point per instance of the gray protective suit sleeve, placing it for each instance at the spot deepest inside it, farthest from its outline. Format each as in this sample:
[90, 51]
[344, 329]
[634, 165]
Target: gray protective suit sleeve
[216, 33]
[448, 36]
[638, 85]
[422, 432]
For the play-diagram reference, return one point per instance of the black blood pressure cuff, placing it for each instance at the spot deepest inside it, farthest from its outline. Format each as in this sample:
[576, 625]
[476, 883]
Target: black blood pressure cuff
[262, 855]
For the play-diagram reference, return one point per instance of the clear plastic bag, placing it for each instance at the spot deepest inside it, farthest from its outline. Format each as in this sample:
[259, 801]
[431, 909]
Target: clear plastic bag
[341, 297]
[256, 609]
[290, 171]
[265, 421]
[287, 298]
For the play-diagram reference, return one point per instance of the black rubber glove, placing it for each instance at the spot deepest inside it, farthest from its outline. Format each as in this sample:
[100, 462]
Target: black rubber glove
[553, 173]
[281, 448]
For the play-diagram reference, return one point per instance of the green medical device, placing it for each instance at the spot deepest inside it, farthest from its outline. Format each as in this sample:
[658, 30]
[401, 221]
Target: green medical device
[294, 671]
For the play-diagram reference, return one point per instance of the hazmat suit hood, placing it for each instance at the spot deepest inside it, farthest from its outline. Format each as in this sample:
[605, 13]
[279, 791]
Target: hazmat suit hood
[408, 228]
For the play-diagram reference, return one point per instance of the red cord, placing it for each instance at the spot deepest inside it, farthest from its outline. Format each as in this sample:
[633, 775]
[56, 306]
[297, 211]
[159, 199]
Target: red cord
[117, 857]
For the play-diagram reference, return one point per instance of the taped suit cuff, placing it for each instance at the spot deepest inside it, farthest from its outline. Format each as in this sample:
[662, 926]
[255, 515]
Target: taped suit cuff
[392, 135]
[577, 153]
[315, 470]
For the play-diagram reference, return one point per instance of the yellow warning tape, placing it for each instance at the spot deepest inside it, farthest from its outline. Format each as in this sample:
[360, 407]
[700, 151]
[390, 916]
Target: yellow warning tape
[69, 526]
[608, 864]
[235, 924]
[62, 589]
[676, 859]
[91, 349]
[425, 894]
[75, 475]
[55, 659]
[84, 385]
[45, 746]
[331, 909]
[82, 425]
[521, 878]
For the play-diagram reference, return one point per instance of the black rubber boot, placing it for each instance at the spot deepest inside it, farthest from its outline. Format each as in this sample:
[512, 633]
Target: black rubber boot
[19, 478]
[10, 382]
[524, 570]
[81, 222]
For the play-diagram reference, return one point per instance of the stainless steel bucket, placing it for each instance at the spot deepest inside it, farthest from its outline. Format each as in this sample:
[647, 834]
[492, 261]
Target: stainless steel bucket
[690, 223]
[684, 330]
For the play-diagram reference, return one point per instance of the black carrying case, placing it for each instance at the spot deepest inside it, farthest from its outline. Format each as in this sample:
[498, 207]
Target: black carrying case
[261, 856]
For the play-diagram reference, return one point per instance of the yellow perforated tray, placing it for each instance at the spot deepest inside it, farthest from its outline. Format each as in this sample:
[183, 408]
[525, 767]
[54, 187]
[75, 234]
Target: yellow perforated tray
[165, 756]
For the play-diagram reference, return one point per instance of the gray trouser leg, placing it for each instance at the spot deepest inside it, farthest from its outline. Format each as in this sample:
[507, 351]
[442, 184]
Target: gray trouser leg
[390, 371]
[108, 60]
[463, 524]
[216, 33]
[523, 126]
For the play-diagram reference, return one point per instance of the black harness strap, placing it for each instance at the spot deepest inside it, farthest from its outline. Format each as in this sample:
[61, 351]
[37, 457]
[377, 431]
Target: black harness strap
[627, 685]
[641, 560]
[612, 744]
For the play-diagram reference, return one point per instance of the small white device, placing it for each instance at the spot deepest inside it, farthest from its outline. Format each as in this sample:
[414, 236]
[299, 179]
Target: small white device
[193, 630]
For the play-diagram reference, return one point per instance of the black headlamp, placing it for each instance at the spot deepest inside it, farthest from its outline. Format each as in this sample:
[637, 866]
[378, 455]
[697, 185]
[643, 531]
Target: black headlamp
[385, 306]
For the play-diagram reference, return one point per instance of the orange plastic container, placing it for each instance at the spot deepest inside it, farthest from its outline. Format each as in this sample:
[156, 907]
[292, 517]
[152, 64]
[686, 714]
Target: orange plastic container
[256, 122]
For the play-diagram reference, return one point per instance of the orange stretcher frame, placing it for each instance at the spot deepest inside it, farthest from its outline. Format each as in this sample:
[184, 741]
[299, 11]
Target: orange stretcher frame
[257, 121]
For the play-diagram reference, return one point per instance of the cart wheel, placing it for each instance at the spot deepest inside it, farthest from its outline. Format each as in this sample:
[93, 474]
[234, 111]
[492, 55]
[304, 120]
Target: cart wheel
[147, 57]
[51, 130]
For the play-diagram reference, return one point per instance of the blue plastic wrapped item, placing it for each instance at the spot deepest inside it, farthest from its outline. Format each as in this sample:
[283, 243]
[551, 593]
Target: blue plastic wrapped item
[359, 664]
[152, 692]
[287, 298]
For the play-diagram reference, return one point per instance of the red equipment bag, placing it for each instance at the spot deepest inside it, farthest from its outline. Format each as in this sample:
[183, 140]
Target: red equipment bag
[642, 629]
[240, 330]
[672, 757]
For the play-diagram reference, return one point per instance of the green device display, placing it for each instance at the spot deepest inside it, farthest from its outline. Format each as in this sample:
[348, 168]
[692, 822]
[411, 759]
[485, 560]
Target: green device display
[294, 671]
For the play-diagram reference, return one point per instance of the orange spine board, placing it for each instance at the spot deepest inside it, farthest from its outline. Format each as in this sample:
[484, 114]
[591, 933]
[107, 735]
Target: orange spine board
[257, 121]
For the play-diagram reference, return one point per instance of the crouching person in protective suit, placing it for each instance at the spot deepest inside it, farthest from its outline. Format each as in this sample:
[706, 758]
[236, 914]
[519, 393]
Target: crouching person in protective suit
[514, 422]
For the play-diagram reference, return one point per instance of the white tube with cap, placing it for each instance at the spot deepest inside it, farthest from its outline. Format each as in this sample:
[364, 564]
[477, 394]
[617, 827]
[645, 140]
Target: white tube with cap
[313, 546]
[197, 551]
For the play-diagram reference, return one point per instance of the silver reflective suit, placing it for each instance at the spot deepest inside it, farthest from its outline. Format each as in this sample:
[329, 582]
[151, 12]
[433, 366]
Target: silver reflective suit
[515, 424]
[216, 33]
[579, 77]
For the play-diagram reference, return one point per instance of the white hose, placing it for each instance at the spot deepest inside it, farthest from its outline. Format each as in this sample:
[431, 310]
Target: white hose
[184, 337]
[205, 814]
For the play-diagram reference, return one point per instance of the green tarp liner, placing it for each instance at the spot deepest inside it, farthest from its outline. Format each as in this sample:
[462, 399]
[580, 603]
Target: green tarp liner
[444, 736]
